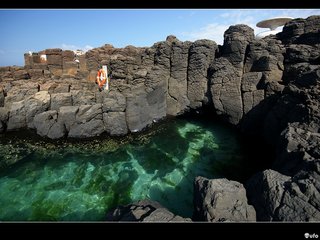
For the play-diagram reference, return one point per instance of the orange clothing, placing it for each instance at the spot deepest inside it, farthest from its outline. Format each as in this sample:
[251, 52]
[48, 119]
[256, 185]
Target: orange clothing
[101, 78]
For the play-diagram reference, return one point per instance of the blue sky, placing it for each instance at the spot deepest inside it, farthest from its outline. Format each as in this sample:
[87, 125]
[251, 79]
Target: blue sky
[35, 30]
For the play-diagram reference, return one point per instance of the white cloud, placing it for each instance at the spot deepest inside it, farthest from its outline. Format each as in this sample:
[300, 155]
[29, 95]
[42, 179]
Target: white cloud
[238, 15]
[215, 31]
[187, 15]
[74, 47]
[87, 48]
[211, 31]
[299, 13]
[222, 22]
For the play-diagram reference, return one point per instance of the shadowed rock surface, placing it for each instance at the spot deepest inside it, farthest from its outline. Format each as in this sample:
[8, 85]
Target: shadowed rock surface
[144, 211]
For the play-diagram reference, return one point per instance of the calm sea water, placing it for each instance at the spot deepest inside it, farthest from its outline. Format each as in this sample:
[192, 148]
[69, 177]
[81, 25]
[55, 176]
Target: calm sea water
[81, 181]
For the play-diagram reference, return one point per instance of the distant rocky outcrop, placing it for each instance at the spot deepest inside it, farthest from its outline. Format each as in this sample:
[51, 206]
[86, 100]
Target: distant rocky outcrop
[267, 87]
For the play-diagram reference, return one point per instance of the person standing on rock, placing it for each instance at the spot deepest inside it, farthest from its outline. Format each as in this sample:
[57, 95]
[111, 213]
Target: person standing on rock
[103, 78]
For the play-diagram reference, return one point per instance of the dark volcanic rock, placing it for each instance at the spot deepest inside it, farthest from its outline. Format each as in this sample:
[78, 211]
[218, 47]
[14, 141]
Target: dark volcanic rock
[47, 124]
[301, 31]
[137, 115]
[221, 200]
[36, 104]
[177, 99]
[59, 100]
[88, 122]
[144, 211]
[267, 87]
[17, 116]
[115, 123]
[201, 55]
[298, 146]
[226, 90]
[277, 197]
[67, 115]
[1, 97]
[236, 39]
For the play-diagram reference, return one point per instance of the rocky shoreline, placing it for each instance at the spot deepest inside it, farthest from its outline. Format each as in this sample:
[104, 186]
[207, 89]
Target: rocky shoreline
[267, 87]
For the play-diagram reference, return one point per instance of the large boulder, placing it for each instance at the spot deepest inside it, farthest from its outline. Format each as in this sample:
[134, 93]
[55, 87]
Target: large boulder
[114, 102]
[88, 122]
[92, 128]
[87, 113]
[21, 90]
[67, 115]
[83, 97]
[17, 116]
[137, 112]
[220, 200]
[47, 125]
[36, 104]
[59, 100]
[115, 123]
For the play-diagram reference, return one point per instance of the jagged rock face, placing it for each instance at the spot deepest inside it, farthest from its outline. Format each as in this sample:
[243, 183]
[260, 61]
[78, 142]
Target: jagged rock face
[292, 122]
[177, 97]
[201, 55]
[236, 40]
[247, 72]
[301, 31]
[168, 78]
[277, 197]
[147, 84]
[144, 211]
[226, 90]
[221, 200]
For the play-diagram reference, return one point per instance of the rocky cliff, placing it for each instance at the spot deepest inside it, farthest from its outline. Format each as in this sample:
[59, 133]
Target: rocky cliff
[268, 87]
[59, 97]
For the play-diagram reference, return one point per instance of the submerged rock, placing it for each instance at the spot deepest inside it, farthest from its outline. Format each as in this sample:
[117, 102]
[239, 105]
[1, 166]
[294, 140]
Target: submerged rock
[144, 211]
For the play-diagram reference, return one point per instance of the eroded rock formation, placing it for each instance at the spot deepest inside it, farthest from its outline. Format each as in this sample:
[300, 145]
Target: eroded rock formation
[147, 84]
[268, 87]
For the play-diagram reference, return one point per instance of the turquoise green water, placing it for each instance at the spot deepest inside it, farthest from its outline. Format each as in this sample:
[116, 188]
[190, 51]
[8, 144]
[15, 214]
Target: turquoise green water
[82, 181]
